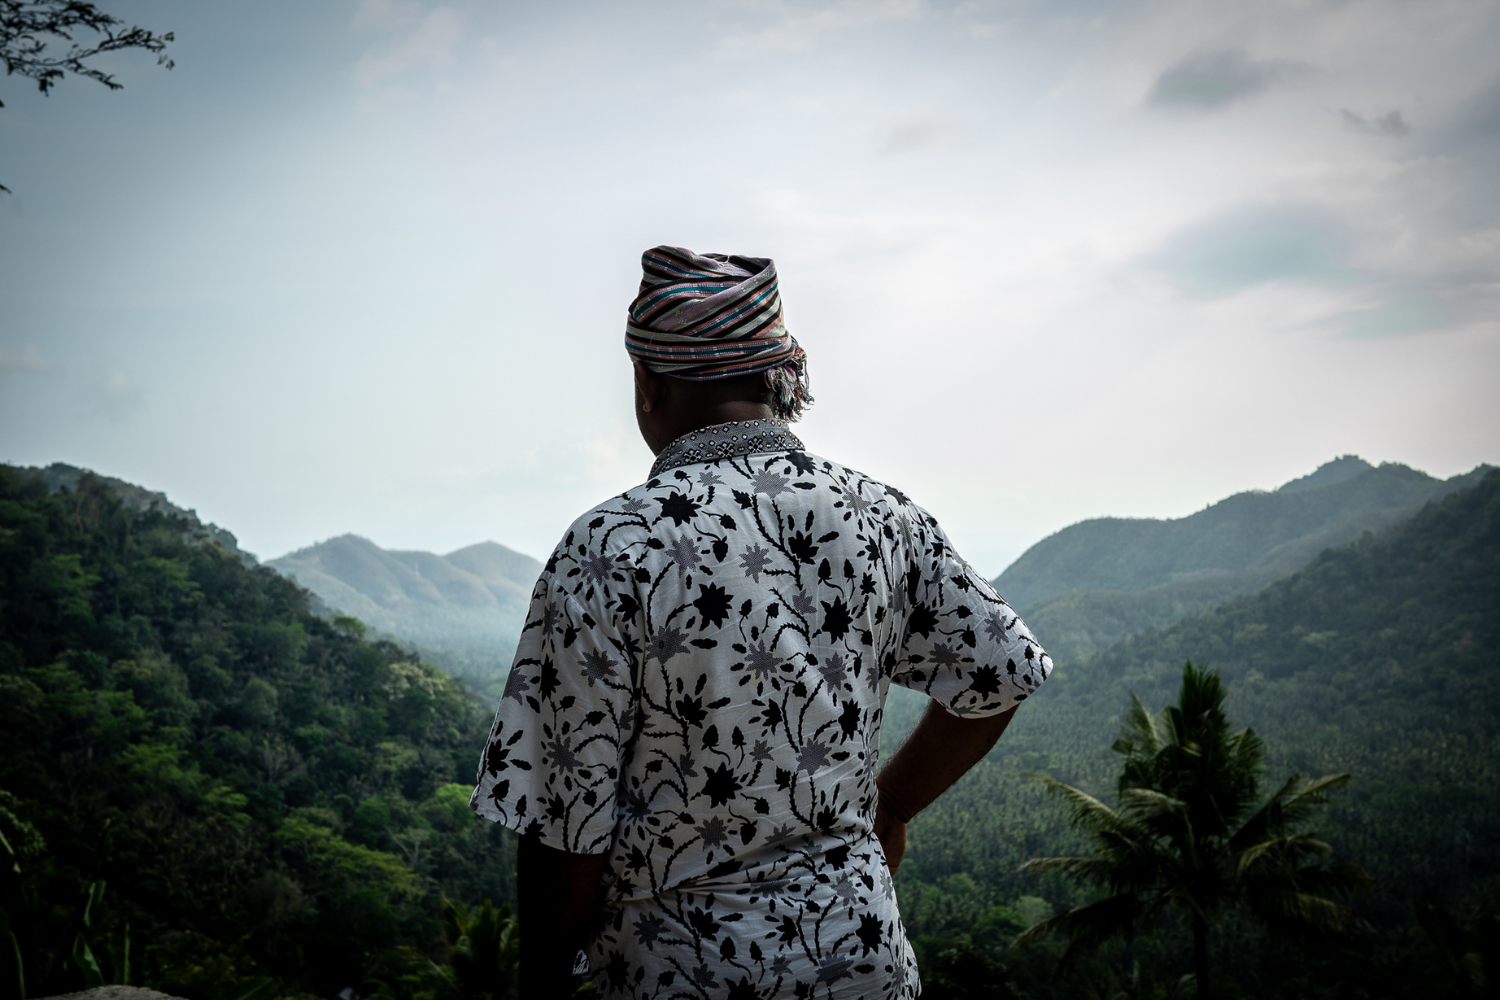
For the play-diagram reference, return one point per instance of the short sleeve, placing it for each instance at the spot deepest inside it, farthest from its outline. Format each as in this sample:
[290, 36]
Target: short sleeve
[963, 646]
[551, 765]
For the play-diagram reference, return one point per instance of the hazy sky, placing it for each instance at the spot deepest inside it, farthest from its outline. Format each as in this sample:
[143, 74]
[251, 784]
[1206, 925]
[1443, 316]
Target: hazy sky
[363, 266]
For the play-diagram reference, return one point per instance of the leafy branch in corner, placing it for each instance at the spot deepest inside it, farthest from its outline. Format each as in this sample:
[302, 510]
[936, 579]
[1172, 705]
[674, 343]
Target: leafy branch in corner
[29, 27]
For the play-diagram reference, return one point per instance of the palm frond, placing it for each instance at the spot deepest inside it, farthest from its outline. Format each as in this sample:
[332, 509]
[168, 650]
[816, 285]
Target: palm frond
[1093, 871]
[1300, 804]
[1148, 802]
[1163, 816]
[1324, 785]
[1189, 893]
[1142, 734]
[1279, 853]
[1088, 926]
[1291, 805]
[1268, 821]
[1247, 748]
[1088, 812]
[1120, 858]
[1294, 910]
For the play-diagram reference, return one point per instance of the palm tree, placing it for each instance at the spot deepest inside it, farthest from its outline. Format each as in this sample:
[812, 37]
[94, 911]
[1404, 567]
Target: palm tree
[1190, 835]
[484, 949]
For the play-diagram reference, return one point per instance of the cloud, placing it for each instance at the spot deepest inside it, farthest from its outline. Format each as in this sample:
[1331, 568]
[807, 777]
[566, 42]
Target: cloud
[28, 360]
[919, 132]
[1212, 79]
[1256, 245]
[1390, 123]
[1433, 280]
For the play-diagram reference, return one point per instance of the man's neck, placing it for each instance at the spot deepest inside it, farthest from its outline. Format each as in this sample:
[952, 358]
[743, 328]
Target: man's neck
[728, 411]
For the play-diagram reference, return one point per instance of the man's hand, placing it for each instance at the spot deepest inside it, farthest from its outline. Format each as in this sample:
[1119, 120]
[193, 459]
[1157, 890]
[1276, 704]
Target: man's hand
[555, 892]
[891, 833]
[937, 753]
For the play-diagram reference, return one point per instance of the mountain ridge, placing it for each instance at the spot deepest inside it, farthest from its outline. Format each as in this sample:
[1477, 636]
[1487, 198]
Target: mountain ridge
[463, 610]
[1100, 580]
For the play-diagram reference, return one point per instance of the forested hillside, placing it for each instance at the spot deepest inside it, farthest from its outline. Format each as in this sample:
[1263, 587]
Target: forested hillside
[464, 610]
[1098, 581]
[243, 789]
[61, 476]
[1381, 658]
[256, 798]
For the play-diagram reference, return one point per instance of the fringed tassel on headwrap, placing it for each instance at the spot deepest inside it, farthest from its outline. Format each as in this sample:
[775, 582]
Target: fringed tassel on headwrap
[791, 390]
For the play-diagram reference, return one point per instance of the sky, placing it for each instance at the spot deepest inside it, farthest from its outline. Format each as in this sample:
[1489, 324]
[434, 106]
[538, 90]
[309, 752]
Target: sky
[362, 265]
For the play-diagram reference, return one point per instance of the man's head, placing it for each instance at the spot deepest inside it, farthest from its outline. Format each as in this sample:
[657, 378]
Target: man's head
[707, 338]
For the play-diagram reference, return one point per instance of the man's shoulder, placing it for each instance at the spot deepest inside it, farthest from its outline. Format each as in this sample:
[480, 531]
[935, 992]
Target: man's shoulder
[676, 496]
[869, 487]
[624, 514]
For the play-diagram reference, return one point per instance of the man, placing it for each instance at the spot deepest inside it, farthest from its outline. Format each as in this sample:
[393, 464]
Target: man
[688, 740]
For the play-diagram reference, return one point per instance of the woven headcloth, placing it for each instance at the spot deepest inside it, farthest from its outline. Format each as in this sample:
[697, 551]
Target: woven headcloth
[711, 316]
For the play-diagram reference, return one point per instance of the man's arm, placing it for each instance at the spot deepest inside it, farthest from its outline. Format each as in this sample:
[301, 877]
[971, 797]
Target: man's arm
[555, 891]
[938, 752]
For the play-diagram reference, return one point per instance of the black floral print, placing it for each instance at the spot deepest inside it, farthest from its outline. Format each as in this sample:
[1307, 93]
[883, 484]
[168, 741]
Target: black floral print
[698, 694]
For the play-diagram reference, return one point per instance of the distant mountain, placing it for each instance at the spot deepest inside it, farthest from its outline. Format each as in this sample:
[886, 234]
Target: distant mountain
[1341, 468]
[464, 610]
[1097, 581]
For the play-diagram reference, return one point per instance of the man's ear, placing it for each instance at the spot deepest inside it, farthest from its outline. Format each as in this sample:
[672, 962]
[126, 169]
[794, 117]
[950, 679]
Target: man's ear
[649, 385]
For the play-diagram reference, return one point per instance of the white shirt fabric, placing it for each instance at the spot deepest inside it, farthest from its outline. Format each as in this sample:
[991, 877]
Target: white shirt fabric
[698, 693]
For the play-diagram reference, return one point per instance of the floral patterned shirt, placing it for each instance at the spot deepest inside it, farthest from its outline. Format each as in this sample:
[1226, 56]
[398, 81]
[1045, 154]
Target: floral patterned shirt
[697, 695]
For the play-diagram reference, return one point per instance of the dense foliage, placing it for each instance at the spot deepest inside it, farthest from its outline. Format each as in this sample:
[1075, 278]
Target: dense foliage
[203, 782]
[1381, 659]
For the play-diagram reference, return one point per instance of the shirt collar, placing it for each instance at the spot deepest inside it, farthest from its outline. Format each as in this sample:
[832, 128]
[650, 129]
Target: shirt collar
[741, 437]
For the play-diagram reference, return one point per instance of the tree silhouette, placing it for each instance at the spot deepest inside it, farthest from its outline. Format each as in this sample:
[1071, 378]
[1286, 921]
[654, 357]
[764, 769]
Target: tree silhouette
[484, 948]
[29, 27]
[1190, 835]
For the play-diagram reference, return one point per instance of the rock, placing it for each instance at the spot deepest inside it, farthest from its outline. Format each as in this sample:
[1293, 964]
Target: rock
[115, 993]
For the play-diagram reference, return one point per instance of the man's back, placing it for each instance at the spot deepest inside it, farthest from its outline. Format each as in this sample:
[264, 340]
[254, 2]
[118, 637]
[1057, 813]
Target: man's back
[698, 696]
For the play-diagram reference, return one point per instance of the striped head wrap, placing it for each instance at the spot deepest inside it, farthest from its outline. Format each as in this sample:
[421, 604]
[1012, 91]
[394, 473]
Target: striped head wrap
[710, 316]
